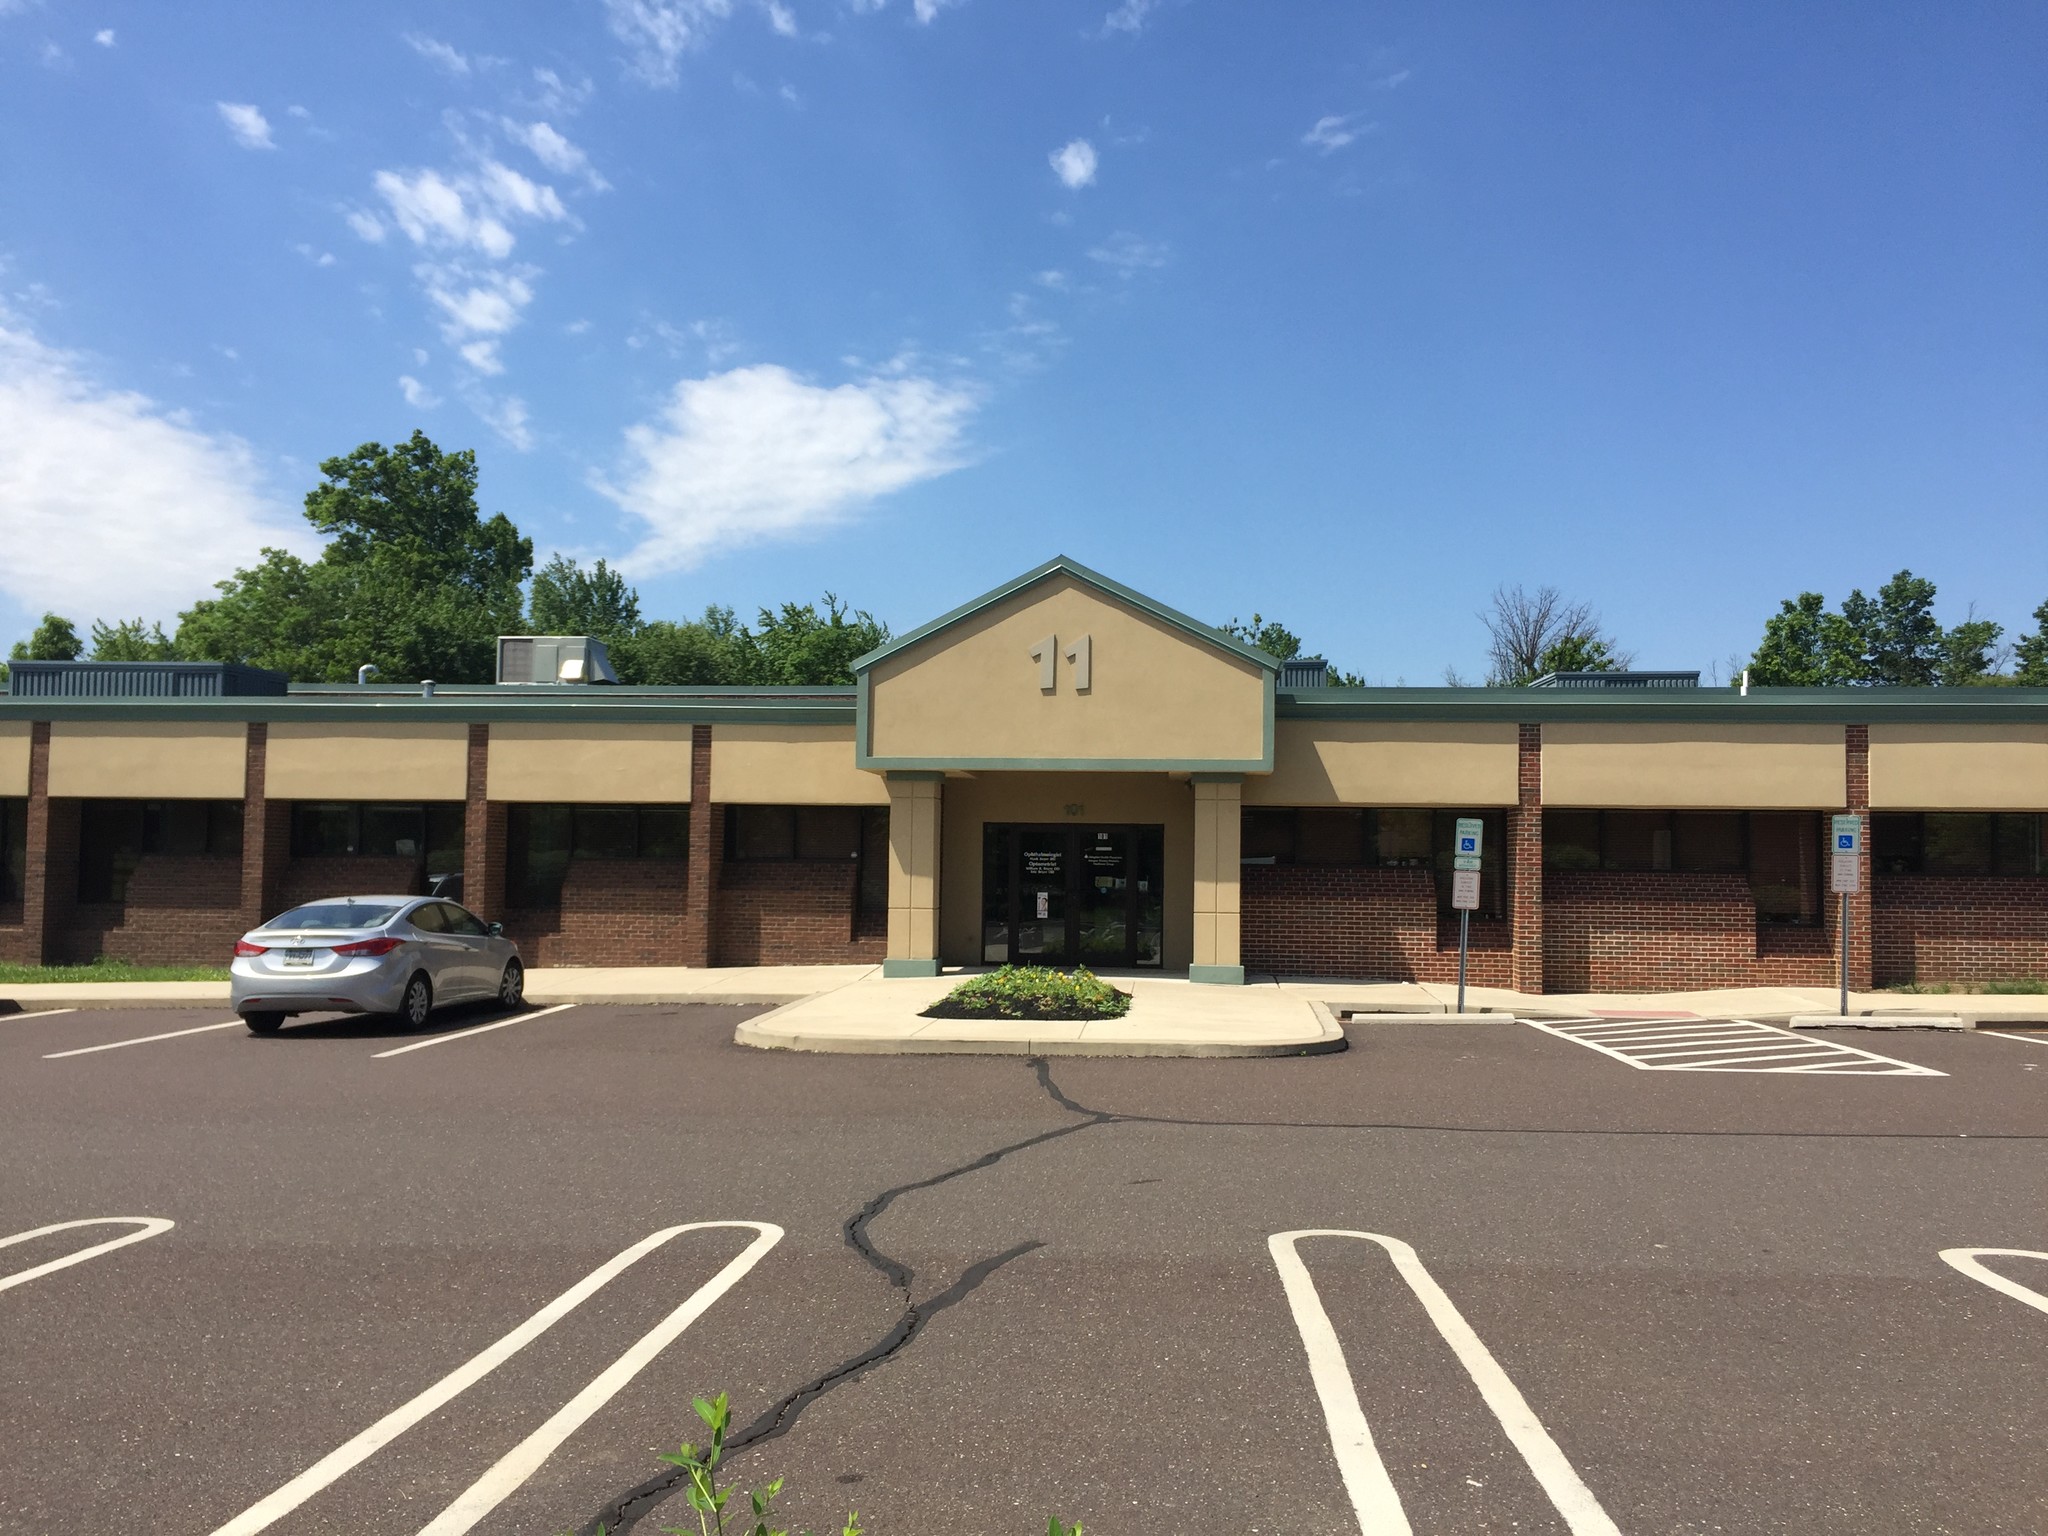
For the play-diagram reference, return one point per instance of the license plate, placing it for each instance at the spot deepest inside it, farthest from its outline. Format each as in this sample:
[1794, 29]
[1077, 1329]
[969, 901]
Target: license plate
[298, 957]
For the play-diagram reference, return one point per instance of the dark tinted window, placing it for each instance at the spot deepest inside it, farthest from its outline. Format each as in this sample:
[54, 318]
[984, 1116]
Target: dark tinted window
[335, 914]
[322, 831]
[431, 833]
[760, 832]
[1959, 843]
[828, 832]
[537, 839]
[13, 848]
[1267, 836]
[1784, 866]
[429, 917]
[458, 920]
[1571, 839]
[1330, 837]
[606, 832]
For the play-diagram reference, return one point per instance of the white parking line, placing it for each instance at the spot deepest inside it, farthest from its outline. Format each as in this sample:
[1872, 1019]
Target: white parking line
[2002, 1034]
[1731, 1045]
[1965, 1260]
[47, 1013]
[464, 1034]
[115, 1045]
[151, 1227]
[520, 1464]
[1373, 1499]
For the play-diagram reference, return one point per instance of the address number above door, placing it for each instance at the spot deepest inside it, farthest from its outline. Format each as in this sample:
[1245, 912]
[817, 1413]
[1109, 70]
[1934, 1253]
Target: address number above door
[1080, 654]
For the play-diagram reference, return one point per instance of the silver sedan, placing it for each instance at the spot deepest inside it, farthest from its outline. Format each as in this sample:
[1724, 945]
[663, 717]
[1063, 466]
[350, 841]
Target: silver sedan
[372, 954]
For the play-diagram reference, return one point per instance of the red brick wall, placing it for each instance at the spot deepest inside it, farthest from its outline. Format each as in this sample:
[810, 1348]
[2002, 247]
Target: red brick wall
[179, 911]
[1525, 862]
[355, 874]
[795, 912]
[1629, 931]
[1959, 928]
[13, 936]
[1361, 924]
[613, 912]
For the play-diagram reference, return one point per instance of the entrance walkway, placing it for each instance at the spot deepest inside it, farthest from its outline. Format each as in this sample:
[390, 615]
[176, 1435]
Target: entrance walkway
[1169, 1017]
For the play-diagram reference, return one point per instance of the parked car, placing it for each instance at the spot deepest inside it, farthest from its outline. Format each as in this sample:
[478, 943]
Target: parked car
[372, 954]
[448, 887]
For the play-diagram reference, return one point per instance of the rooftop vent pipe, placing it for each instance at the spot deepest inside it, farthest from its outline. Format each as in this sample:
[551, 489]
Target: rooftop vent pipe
[426, 687]
[364, 671]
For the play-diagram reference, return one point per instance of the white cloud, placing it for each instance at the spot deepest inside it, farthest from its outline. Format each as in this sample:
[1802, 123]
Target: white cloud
[442, 56]
[660, 32]
[417, 394]
[464, 210]
[553, 150]
[507, 416]
[558, 97]
[1127, 255]
[297, 111]
[1052, 278]
[759, 453]
[367, 225]
[927, 11]
[1074, 163]
[104, 37]
[781, 18]
[1129, 17]
[1333, 132]
[161, 508]
[419, 356]
[477, 304]
[249, 126]
[315, 255]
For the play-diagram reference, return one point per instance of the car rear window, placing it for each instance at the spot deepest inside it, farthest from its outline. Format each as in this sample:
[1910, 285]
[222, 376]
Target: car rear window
[335, 914]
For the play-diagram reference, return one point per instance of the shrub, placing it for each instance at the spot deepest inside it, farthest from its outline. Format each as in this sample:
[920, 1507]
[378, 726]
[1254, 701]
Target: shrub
[1030, 992]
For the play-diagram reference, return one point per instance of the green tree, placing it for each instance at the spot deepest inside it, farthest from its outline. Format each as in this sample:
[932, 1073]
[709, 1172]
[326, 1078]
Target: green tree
[1578, 653]
[712, 652]
[1268, 635]
[796, 645]
[130, 641]
[55, 639]
[2030, 653]
[1530, 634]
[413, 578]
[568, 600]
[1890, 640]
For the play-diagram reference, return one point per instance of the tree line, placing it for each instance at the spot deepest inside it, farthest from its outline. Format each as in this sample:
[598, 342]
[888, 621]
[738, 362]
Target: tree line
[415, 581]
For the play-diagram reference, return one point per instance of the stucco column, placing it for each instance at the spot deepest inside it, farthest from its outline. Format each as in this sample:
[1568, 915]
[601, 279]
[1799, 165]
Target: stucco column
[1525, 864]
[38, 906]
[483, 833]
[1219, 813]
[700, 875]
[915, 800]
[1857, 741]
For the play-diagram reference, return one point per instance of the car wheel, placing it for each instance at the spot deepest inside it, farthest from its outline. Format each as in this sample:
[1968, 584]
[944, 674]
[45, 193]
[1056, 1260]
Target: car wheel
[512, 985]
[263, 1023]
[417, 1003]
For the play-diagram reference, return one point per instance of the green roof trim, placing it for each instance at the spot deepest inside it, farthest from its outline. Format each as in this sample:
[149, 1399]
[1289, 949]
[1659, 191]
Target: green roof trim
[1060, 565]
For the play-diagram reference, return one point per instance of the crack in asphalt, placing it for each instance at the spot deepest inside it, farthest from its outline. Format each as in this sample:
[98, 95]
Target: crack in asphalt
[628, 1509]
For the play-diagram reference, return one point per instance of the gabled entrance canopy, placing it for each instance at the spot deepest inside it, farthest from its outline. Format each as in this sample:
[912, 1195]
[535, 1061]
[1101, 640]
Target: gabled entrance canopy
[1063, 669]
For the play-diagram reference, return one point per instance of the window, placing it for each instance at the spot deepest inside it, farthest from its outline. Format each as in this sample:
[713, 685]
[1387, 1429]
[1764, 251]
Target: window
[116, 835]
[763, 833]
[1959, 843]
[1778, 850]
[13, 849]
[1379, 839]
[542, 839]
[430, 833]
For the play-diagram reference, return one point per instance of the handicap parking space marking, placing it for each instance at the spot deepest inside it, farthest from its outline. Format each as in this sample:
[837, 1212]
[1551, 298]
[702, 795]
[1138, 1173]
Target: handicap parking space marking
[1968, 1261]
[115, 1045]
[481, 1029]
[1373, 1497]
[524, 1459]
[1725, 1045]
[152, 1226]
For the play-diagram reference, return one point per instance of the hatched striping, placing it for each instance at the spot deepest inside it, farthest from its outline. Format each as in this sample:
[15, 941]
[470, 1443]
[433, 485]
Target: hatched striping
[1725, 1045]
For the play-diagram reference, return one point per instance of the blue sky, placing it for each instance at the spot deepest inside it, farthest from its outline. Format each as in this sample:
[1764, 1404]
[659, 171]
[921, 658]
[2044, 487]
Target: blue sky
[1341, 312]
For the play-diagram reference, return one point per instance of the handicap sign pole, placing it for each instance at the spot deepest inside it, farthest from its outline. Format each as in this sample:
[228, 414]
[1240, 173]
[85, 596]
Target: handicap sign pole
[1465, 888]
[1845, 877]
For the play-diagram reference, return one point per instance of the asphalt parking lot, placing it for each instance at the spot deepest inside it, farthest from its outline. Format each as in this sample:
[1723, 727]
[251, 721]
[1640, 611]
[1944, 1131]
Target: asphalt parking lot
[430, 1282]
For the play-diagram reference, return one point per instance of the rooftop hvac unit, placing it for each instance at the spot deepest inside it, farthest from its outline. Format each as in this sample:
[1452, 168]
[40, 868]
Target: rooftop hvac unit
[1305, 672]
[140, 680]
[553, 659]
[1617, 680]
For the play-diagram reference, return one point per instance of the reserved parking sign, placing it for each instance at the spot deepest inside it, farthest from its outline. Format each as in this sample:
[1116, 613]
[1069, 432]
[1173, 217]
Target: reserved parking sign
[1845, 860]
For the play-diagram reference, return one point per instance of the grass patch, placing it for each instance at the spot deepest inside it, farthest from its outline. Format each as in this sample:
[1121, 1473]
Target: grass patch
[109, 970]
[2022, 986]
[1031, 992]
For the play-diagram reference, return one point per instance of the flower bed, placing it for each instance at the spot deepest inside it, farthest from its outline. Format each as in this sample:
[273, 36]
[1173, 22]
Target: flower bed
[1030, 992]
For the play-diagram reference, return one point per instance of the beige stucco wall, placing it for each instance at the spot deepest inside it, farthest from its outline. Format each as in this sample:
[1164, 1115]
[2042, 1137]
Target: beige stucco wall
[790, 765]
[1959, 767]
[1364, 762]
[1219, 821]
[149, 760]
[916, 880]
[14, 740]
[1157, 694]
[1696, 767]
[415, 761]
[1102, 799]
[590, 764]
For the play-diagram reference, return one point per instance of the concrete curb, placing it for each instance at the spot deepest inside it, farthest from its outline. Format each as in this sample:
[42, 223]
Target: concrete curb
[1874, 1021]
[760, 1034]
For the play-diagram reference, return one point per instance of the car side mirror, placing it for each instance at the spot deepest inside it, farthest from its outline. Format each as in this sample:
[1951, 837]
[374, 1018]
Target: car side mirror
[497, 930]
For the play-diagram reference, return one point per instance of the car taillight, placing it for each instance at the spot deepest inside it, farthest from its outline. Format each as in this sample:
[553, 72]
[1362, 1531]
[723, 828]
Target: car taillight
[244, 947]
[368, 947]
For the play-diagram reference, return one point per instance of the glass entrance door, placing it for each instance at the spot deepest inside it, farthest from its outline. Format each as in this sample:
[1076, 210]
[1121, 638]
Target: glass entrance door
[1066, 895]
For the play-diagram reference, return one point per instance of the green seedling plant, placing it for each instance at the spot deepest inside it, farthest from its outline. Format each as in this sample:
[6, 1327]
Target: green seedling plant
[700, 1466]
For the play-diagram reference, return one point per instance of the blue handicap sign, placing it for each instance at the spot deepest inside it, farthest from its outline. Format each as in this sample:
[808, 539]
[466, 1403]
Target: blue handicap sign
[1845, 842]
[1468, 844]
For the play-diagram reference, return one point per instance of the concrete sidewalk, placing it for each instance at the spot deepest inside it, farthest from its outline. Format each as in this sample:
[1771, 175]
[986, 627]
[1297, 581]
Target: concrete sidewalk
[1169, 1016]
